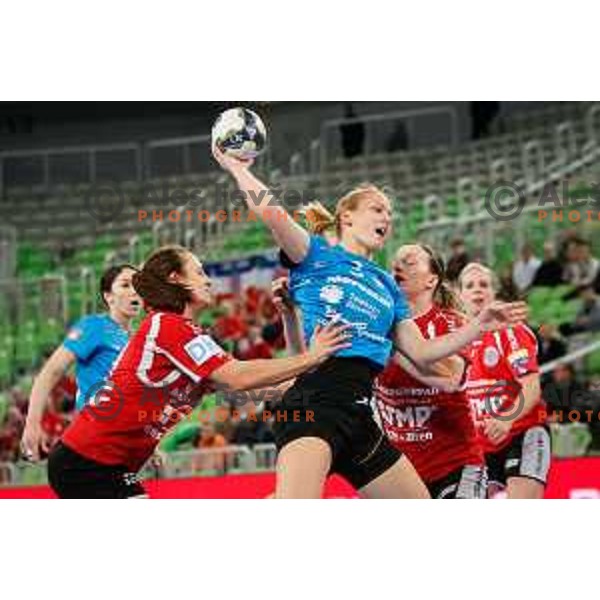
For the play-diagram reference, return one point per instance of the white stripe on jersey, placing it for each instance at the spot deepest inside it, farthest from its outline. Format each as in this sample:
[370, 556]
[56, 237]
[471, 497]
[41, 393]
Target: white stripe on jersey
[150, 349]
[193, 376]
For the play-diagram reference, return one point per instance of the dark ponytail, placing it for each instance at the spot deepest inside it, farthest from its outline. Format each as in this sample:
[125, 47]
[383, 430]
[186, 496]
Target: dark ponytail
[443, 296]
[153, 285]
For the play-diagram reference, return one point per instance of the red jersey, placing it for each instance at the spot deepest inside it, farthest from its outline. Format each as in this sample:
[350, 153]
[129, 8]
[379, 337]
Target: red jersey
[497, 361]
[158, 379]
[433, 428]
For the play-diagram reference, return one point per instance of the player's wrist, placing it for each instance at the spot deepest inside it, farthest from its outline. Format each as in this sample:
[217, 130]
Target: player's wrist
[315, 356]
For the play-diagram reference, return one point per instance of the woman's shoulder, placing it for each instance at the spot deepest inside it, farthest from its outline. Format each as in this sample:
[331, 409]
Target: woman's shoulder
[93, 320]
[164, 320]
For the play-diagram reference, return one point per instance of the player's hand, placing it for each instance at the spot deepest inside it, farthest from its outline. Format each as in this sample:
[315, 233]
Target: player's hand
[497, 431]
[231, 164]
[328, 340]
[35, 442]
[282, 298]
[502, 314]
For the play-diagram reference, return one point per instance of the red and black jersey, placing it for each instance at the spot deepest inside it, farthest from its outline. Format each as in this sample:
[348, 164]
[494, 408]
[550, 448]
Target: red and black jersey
[433, 428]
[496, 364]
[158, 379]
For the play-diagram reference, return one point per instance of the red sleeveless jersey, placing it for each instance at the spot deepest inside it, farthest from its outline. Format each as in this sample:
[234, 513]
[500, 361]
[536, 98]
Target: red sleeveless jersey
[496, 363]
[159, 378]
[433, 428]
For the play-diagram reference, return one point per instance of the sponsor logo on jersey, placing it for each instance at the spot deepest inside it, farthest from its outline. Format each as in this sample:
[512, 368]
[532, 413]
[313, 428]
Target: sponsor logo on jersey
[518, 360]
[491, 357]
[513, 463]
[412, 417]
[332, 294]
[201, 348]
[75, 335]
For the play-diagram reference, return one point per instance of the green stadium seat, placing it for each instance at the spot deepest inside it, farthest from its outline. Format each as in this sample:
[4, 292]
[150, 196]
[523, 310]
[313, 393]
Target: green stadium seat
[3, 408]
[5, 364]
[592, 365]
[26, 350]
[51, 332]
[183, 435]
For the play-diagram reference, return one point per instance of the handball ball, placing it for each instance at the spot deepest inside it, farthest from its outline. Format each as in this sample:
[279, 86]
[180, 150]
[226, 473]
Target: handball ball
[240, 132]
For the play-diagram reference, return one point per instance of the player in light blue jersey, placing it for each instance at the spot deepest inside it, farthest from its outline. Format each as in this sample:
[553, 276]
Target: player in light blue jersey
[93, 344]
[330, 426]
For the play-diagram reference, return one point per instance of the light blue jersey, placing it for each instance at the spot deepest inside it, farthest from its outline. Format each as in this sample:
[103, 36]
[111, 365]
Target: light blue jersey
[96, 341]
[332, 283]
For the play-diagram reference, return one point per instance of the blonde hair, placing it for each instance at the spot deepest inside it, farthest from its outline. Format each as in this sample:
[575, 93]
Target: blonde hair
[320, 220]
[474, 266]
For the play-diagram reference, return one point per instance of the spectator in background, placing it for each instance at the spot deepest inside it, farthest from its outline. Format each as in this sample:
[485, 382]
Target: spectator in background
[570, 260]
[254, 346]
[252, 428]
[588, 319]
[508, 291]
[353, 134]
[582, 268]
[566, 238]
[10, 434]
[550, 272]
[231, 326]
[551, 345]
[483, 115]
[209, 439]
[563, 390]
[526, 268]
[458, 260]
[593, 404]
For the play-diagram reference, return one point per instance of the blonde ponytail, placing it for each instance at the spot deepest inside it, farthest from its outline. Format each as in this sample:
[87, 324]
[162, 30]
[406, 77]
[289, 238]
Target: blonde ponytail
[321, 221]
[318, 219]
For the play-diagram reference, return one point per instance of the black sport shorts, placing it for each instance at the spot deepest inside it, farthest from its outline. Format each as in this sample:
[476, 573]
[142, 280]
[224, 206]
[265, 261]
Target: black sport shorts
[73, 476]
[333, 403]
[528, 456]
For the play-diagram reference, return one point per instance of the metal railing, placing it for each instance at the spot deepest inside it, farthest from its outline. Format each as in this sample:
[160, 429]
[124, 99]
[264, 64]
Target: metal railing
[180, 156]
[8, 251]
[44, 168]
[174, 465]
[374, 141]
[474, 215]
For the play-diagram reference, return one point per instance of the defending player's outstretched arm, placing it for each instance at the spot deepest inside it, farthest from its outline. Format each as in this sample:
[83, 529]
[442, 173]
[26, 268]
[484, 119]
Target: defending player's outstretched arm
[447, 375]
[291, 317]
[253, 374]
[289, 236]
[422, 352]
[34, 441]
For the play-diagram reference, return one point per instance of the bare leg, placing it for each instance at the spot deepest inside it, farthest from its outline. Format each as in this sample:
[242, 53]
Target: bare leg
[521, 488]
[302, 469]
[400, 482]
